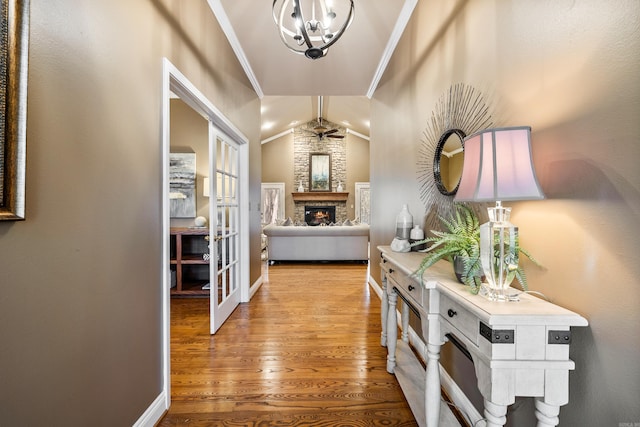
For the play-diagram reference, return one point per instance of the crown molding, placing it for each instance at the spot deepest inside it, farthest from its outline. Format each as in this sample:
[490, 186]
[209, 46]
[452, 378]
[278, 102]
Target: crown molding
[225, 24]
[398, 29]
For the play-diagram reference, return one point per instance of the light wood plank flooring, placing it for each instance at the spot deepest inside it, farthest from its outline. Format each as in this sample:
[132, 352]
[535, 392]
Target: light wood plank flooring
[304, 352]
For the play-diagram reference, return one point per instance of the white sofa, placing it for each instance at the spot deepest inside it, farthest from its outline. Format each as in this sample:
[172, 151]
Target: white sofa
[319, 243]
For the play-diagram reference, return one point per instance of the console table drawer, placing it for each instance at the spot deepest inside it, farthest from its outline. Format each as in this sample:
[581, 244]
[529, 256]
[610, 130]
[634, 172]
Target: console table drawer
[407, 286]
[385, 266]
[457, 316]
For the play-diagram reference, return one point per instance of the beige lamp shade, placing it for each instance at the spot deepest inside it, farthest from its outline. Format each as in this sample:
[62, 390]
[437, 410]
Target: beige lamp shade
[498, 166]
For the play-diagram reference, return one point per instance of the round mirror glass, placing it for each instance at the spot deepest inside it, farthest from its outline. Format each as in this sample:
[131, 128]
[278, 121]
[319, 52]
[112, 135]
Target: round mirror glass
[448, 160]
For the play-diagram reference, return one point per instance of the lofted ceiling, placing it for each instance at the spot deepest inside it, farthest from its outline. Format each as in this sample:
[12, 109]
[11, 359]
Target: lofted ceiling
[289, 84]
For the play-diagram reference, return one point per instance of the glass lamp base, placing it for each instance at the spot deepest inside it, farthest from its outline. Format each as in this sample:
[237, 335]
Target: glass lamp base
[501, 295]
[499, 254]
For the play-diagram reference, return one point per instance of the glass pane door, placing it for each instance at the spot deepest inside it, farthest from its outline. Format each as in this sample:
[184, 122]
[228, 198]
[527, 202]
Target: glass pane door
[225, 252]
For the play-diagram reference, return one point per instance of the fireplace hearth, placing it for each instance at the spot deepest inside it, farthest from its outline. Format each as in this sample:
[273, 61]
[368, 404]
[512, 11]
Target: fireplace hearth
[318, 215]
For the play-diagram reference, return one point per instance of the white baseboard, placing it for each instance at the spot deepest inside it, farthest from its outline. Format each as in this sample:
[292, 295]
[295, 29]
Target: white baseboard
[457, 396]
[256, 285]
[154, 413]
[376, 288]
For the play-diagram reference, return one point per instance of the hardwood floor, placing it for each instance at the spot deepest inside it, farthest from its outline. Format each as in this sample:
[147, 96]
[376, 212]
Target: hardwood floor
[304, 352]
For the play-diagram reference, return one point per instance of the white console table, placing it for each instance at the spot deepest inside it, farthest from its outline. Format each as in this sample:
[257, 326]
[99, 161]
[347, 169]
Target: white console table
[518, 348]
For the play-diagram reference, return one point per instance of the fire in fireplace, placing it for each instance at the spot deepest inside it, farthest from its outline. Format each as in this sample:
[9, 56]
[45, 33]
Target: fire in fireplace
[317, 215]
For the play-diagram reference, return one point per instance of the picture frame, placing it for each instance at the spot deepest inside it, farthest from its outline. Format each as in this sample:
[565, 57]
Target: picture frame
[319, 172]
[182, 185]
[14, 43]
[272, 202]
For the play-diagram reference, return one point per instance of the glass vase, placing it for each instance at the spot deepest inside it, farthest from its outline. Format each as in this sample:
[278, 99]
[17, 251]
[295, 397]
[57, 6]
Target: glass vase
[499, 253]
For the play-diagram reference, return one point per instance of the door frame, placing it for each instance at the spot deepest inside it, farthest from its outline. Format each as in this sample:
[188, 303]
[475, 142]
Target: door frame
[174, 82]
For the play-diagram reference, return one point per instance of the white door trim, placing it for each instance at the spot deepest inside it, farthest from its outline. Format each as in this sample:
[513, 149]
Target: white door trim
[173, 81]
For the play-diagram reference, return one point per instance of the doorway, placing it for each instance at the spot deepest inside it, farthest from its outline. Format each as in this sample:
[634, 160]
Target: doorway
[228, 162]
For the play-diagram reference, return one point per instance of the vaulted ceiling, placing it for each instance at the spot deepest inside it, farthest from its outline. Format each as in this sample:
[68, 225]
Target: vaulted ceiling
[289, 84]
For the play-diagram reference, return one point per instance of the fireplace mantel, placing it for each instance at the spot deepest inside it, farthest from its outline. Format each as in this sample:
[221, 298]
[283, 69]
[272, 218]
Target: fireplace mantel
[320, 196]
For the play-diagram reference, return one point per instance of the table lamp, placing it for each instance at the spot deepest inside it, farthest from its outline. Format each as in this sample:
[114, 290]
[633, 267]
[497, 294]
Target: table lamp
[498, 167]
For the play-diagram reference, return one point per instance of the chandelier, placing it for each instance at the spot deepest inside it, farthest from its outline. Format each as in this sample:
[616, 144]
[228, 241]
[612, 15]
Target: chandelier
[311, 37]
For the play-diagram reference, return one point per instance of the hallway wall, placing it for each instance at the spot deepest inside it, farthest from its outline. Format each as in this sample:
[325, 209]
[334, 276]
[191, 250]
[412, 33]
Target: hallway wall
[570, 71]
[80, 307]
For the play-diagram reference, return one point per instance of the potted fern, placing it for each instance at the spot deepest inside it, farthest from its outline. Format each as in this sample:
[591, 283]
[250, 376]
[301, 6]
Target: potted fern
[459, 244]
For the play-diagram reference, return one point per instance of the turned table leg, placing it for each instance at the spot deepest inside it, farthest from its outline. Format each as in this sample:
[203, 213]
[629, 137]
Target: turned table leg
[547, 415]
[384, 312]
[432, 386]
[496, 415]
[392, 331]
[405, 323]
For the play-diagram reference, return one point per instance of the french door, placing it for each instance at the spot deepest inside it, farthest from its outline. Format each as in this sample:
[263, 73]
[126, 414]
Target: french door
[224, 232]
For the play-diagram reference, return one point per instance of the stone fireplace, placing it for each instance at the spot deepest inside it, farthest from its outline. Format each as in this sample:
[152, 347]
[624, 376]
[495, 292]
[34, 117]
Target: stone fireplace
[317, 215]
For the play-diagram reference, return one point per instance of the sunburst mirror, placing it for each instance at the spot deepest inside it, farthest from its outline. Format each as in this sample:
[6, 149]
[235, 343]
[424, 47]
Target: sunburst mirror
[460, 111]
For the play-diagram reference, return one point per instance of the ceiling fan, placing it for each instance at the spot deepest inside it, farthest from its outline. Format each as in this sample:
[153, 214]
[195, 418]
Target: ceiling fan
[322, 131]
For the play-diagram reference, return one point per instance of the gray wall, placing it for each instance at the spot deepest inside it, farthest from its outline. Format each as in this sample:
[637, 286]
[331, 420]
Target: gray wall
[80, 320]
[570, 71]
[189, 133]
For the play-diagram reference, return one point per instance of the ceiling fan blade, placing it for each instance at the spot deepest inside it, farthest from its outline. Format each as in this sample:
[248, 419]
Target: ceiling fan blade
[331, 131]
[335, 136]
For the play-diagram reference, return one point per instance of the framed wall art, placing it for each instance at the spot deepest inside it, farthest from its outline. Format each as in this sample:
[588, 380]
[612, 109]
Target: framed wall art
[363, 202]
[320, 172]
[182, 185]
[272, 201]
[14, 42]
